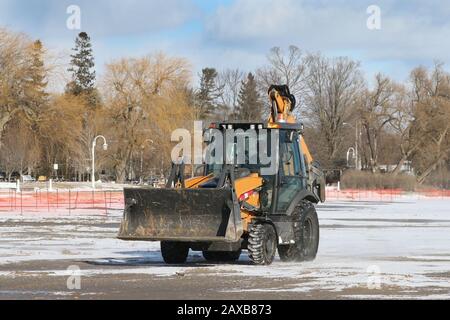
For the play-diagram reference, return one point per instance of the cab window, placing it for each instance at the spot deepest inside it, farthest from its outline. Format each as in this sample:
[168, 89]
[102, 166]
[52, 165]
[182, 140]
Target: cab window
[291, 173]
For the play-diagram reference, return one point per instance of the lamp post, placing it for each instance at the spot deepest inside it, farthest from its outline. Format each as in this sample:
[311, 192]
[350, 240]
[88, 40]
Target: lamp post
[94, 144]
[358, 163]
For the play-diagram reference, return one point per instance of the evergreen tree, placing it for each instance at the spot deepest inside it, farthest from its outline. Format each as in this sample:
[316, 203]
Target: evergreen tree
[83, 86]
[250, 106]
[36, 82]
[82, 67]
[206, 96]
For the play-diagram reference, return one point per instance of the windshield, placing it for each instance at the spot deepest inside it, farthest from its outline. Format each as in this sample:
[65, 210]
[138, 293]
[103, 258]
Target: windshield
[244, 152]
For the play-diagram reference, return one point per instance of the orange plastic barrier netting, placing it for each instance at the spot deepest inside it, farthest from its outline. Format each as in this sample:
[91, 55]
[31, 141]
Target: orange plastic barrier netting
[383, 194]
[61, 201]
[104, 202]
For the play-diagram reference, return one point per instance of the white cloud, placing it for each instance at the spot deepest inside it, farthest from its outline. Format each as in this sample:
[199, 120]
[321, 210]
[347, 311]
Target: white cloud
[412, 30]
[267, 20]
[99, 17]
[136, 16]
[252, 19]
[239, 33]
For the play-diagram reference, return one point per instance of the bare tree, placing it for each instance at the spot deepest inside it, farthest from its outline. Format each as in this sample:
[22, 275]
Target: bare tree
[376, 111]
[15, 62]
[403, 125]
[284, 68]
[432, 110]
[59, 128]
[333, 87]
[19, 150]
[144, 99]
[230, 80]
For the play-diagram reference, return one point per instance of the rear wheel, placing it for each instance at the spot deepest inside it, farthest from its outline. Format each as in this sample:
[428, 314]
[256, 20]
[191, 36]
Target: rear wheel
[217, 256]
[262, 243]
[306, 233]
[174, 252]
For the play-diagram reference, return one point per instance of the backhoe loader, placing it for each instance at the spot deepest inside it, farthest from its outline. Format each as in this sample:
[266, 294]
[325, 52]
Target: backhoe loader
[234, 206]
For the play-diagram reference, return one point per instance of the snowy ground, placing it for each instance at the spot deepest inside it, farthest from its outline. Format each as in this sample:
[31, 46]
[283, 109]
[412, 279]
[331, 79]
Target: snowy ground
[368, 250]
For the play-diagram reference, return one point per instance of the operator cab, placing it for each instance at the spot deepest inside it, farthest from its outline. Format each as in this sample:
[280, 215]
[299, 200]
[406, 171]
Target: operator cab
[289, 172]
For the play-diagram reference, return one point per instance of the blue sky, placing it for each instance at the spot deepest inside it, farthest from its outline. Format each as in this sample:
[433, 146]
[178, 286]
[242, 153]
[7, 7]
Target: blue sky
[239, 33]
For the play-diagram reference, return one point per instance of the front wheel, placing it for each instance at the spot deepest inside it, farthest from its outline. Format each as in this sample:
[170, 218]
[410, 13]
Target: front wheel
[306, 234]
[262, 243]
[174, 252]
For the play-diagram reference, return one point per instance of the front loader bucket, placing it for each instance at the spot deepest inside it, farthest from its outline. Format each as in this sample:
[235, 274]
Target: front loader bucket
[189, 215]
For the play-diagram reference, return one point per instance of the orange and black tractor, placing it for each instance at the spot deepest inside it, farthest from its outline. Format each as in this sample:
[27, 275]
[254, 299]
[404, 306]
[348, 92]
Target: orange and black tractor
[254, 205]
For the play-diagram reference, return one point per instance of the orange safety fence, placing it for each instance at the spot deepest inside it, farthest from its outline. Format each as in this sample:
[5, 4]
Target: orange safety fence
[61, 202]
[67, 202]
[383, 194]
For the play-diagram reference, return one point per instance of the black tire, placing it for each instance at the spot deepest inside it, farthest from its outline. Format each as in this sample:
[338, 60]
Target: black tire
[174, 252]
[306, 233]
[262, 243]
[216, 256]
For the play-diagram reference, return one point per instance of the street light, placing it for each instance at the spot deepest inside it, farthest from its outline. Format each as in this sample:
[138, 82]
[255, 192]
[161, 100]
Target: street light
[358, 163]
[94, 144]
